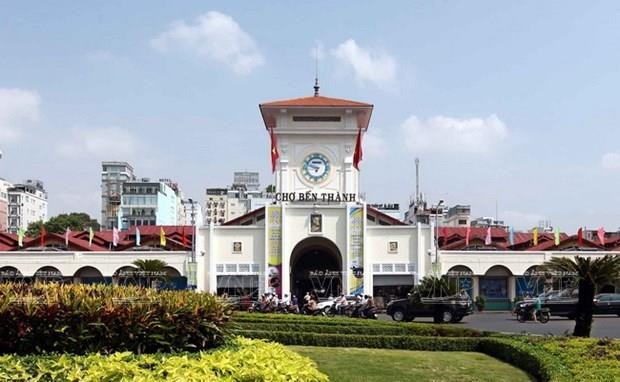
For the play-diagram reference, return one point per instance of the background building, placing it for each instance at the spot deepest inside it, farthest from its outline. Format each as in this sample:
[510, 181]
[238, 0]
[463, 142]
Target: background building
[113, 176]
[27, 204]
[192, 213]
[458, 216]
[487, 221]
[145, 202]
[4, 205]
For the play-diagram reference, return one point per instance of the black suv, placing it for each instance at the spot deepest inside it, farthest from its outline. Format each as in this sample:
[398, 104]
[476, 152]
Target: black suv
[442, 309]
[607, 303]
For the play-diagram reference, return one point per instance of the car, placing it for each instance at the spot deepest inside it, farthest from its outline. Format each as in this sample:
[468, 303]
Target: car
[607, 303]
[562, 303]
[442, 309]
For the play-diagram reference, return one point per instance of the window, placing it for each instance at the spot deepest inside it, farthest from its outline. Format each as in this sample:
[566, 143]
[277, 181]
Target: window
[316, 118]
[462, 222]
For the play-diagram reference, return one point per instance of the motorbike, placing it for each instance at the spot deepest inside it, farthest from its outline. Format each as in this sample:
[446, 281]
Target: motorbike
[524, 313]
[359, 311]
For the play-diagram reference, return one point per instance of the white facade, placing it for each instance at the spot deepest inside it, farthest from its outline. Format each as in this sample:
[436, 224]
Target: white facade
[319, 234]
[4, 205]
[27, 204]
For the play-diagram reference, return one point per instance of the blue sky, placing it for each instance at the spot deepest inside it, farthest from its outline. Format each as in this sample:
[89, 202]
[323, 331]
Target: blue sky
[514, 102]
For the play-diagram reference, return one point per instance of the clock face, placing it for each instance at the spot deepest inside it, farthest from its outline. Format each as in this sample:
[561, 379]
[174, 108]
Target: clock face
[316, 168]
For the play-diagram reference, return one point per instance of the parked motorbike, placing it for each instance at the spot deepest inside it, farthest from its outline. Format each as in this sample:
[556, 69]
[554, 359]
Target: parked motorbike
[359, 311]
[524, 313]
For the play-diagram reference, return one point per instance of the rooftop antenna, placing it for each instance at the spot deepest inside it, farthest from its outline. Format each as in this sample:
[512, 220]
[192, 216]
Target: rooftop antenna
[417, 179]
[316, 71]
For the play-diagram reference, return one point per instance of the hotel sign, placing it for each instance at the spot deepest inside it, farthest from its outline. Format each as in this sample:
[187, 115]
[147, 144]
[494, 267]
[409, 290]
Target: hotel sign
[327, 197]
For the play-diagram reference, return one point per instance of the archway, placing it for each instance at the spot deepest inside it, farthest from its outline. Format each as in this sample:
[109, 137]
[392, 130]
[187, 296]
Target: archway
[9, 273]
[463, 278]
[48, 274]
[126, 275]
[316, 266]
[88, 275]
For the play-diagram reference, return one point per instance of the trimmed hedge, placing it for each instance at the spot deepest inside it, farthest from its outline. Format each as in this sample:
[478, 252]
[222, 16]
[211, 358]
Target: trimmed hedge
[365, 341]
[347, 325]
[79, 319]
[537, 362]
[548, 359]
[242, 360]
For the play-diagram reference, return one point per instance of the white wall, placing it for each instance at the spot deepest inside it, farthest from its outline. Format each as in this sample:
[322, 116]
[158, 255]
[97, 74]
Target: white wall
[69, 262]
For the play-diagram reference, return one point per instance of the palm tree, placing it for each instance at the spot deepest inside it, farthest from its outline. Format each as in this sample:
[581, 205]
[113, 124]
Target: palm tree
[590, 275]
[151, 269]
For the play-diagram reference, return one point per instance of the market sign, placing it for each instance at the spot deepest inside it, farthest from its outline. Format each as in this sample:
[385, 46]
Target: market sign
[326, 197]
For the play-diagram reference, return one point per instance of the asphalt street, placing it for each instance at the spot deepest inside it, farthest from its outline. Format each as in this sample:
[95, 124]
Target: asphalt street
[603, 326]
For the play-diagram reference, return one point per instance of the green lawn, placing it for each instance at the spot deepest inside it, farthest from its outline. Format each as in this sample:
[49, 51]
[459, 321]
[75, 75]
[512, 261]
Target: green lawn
[369, 365]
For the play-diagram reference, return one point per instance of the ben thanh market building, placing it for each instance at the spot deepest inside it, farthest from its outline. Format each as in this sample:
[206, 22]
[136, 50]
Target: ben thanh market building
[319, 234]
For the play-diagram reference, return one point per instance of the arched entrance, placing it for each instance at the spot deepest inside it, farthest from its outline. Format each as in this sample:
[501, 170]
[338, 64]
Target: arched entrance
[316, 266]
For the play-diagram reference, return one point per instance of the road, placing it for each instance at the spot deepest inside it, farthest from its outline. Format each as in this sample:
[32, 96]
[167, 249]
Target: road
[603, 326]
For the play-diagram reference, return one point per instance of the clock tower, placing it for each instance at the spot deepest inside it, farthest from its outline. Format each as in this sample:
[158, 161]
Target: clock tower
[316, 140]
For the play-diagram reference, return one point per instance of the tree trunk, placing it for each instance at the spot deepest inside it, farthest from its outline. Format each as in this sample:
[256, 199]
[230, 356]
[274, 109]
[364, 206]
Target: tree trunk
[583, 317]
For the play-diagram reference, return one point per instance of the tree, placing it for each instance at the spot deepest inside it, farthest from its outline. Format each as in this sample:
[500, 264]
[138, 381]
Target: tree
[75, 221]
[590, 274]
[150, 270]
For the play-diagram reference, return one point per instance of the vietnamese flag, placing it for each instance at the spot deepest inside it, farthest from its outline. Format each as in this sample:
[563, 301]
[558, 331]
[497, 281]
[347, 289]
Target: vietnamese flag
[467, 233]
[580, 236]
[275, 154]
[357, 155]
[43, 232]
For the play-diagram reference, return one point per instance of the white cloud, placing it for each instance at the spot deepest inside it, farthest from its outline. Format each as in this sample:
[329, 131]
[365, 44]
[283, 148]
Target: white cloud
[18, 109]
[374, 67]
[445, 134]
[109, 143]
[611, 161]
[215, 36]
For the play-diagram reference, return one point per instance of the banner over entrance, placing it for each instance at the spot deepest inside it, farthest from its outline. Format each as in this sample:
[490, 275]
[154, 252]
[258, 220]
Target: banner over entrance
[356, 250]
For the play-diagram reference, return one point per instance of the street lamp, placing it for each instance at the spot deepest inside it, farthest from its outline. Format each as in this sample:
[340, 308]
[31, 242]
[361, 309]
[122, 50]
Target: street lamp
[437, 232]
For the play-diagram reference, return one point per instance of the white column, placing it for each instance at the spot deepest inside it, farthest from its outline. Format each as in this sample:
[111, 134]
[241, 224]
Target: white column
[512, 288]
[286, 253]
[201, 261]
[368, 281]
[346, 259]
[475, 285]
[212, 260]
[420, 254]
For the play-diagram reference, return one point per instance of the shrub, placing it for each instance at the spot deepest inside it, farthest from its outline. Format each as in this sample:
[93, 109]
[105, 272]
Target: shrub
[347, 325]
[535, 361]
[101, 318]
[241, 360]
[365, 341]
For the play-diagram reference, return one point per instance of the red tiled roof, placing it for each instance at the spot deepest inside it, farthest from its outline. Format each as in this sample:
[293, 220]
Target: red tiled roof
[373, 211]
[241, 218]
[318, 101]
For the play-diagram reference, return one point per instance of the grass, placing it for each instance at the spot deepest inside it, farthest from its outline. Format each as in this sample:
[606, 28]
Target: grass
[370, 365]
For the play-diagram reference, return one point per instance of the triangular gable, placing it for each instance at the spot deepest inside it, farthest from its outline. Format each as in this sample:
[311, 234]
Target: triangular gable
[381, 218]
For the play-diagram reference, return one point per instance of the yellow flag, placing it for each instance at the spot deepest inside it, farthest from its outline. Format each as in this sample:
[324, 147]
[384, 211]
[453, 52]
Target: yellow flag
[557, 236]
[162, 237]
[535, 235]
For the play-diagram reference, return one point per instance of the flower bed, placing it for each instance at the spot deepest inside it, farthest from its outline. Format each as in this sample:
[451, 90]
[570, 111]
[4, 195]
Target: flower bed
[101, 318]
[240, 360]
